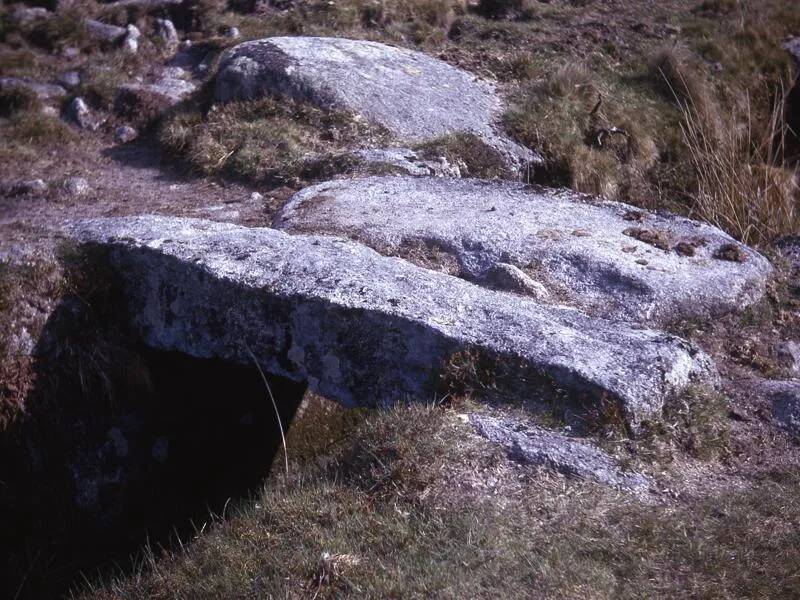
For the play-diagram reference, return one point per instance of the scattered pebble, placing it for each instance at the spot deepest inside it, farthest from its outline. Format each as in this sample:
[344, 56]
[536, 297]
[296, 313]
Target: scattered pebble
[70, 79]
[232, 33]
[125, 133]
[130, 43]
[165, 29]
[256, 197]
[28, 187]
[79, 113]
[76, 186]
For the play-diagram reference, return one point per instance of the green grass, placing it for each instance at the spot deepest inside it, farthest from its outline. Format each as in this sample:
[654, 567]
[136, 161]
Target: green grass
[407, 504]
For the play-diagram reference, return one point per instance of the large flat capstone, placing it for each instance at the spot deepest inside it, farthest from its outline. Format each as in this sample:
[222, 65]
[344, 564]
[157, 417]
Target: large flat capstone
[603, 257]
[412, 95]
[364, 329]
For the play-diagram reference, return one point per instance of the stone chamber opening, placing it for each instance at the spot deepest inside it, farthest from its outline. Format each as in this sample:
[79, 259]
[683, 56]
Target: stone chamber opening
[122, 447]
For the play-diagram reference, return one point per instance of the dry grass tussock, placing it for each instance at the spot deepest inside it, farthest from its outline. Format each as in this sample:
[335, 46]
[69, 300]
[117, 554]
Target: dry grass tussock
[369, 517]
[277, 141]
[743, 185]
[591, 142]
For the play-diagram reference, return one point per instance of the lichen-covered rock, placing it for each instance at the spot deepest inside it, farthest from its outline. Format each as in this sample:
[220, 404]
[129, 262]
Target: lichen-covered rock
[604, 257]
[412, 95]
[364, 329]
[533, 445]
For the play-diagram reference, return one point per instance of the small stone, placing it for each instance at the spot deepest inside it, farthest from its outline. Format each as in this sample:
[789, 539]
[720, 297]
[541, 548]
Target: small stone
[119, 442]
[634, 215]
[165, 30]
[785, 398]
[70, 80]
[76, 186]
[70, 52]
[24, 15]
[79, 113]
[125, 133]
[513, 279]
[103, 32]
[256, 197]
[684, 249]
[29, 187]
[789, 353]
[130, 43]
[232, 33]
[573, 457]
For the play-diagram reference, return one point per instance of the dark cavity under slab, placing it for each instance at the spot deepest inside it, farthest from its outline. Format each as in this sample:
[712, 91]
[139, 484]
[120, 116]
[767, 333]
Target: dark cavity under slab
[87, 485]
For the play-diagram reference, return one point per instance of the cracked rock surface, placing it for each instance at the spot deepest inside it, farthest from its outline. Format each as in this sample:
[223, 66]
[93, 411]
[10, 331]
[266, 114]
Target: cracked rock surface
[603, 257]
[364, 329]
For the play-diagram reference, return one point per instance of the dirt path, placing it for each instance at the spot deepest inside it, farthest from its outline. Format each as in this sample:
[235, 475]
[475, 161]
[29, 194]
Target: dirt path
[123, 180]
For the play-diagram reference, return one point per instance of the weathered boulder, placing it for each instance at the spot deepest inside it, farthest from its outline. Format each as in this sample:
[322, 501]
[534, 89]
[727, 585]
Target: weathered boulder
[364, 329]
[603, 257]
[569, 456]
[412, 95]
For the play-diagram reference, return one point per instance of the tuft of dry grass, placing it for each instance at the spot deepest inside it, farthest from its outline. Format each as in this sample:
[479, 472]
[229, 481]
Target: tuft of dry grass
[473, 153]
[508, 9]
[743, 185]
[16, 99]
[267, 140]
[591, 140]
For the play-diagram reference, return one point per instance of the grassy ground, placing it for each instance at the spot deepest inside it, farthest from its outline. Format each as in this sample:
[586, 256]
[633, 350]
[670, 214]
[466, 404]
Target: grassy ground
[675, 105]
[409, 504]
[658, 105]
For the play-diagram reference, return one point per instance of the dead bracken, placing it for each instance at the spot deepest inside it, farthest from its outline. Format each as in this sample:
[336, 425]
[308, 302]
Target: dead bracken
[730, 252]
